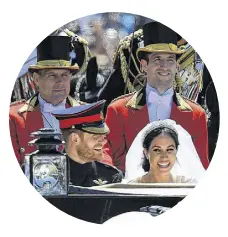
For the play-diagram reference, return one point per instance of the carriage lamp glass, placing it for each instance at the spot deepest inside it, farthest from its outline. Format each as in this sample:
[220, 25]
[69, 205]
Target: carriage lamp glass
[46, 168]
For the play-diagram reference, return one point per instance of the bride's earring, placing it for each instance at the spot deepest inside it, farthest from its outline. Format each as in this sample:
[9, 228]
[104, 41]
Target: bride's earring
[148, 157]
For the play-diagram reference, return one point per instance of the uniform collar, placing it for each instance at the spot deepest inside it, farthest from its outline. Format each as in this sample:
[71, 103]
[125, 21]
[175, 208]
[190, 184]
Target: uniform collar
[31, 104]
[138, 101]
[81, 167]
[48, 107]
[168, 92]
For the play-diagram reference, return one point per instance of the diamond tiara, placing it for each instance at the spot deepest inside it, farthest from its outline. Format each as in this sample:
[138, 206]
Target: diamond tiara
[168, 123]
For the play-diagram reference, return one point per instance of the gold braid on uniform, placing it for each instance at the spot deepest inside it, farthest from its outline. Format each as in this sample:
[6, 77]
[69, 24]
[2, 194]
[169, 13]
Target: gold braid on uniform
[88, 53]
[187, 62]
[177, 85]
[200, 81]
[184, 60]
[125, 43]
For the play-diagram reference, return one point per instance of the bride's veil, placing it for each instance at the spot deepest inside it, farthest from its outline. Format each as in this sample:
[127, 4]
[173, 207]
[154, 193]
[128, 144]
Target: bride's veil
[188, 162]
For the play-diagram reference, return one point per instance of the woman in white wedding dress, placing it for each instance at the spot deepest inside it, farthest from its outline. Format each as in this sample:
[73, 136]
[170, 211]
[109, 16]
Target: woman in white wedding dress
[163, 152]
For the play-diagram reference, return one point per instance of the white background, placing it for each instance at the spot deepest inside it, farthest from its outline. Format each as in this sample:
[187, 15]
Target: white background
[23, 211]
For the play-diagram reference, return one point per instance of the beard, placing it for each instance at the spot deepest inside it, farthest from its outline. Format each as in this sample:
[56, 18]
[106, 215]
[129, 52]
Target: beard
[88, 154]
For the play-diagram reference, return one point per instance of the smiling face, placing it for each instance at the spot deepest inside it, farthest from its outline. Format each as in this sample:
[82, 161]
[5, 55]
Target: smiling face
[161, 154]
[53, 84]
[89, 146]
[161, 69]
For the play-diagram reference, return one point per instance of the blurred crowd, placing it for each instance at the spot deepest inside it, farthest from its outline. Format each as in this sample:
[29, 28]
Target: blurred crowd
[103, 32]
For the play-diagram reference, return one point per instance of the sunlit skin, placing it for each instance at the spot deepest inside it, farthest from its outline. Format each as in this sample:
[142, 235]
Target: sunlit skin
[161, 70]
[84, 147]
[53, 84]
[162, 157]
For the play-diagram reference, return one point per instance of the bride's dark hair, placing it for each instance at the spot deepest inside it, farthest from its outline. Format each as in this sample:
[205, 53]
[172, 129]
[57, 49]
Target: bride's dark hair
[151, 136]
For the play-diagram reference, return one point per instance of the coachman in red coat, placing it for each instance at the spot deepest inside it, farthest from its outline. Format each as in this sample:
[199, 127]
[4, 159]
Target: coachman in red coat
[128, 114]
[51, 74]
[25, 117]
[56, 63]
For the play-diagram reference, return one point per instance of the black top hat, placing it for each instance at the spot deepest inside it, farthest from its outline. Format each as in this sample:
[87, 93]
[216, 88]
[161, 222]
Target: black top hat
[159, 38]
[88, 118]
[80, 47]
[55, 52]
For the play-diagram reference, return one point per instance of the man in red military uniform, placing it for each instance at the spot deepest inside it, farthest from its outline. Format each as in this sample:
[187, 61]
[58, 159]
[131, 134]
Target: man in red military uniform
[84, 134]
[52, 75]
[128, 114]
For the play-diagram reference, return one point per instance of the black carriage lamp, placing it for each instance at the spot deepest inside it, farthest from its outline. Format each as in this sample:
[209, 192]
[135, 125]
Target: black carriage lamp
[46, 168]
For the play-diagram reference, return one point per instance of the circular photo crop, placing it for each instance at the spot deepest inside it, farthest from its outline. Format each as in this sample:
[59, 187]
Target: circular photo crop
[113, 113]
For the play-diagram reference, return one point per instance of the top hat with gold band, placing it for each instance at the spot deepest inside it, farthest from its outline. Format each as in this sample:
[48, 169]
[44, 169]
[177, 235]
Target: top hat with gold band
[87, 118]
[159, 38]
[55, 52]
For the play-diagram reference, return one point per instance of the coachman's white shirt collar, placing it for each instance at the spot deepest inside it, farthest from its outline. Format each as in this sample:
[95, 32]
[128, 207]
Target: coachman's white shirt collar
[152, 95]
[48, 107]
[159, 105]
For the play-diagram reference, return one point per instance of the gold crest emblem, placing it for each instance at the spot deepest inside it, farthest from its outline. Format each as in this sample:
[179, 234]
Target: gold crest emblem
[100, 181]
